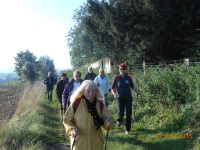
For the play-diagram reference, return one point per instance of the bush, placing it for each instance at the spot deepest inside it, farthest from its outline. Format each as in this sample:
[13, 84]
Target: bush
[171, 86]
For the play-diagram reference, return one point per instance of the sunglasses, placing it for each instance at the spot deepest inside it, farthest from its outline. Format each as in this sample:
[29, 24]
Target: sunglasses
[77, 76]
[121, 69]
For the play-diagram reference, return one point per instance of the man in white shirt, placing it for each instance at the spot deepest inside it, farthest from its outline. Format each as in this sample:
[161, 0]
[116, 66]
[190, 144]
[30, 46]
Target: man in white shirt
[103, 83]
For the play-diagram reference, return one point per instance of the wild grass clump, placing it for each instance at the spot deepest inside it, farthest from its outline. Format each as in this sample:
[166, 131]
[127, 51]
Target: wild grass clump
[176, 87]
[32, 126]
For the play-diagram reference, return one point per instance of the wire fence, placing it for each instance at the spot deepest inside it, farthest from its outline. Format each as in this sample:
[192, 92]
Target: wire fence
[165, 64]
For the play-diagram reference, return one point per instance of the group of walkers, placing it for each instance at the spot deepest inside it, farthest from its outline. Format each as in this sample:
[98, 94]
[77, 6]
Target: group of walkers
[84, 105]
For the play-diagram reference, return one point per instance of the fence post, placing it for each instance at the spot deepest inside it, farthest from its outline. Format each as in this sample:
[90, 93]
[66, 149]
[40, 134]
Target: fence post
[186, 61]
[144, 67]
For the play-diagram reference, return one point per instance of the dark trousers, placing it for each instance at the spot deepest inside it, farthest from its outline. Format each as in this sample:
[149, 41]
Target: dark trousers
[60, 102]
[62, 111]
[49, 95]
[125, 103]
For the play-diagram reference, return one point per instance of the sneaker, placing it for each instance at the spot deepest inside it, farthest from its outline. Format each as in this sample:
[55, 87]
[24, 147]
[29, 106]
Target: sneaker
[126, 132]
[119, 123]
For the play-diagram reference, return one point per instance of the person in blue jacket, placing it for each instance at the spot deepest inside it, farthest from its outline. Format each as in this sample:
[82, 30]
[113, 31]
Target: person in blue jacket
[121, 89]
[70, 88]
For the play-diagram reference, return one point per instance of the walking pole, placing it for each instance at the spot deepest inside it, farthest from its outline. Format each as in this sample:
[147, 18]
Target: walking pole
[113, 103]
[73, 143]
[106, 139]
[134, 108]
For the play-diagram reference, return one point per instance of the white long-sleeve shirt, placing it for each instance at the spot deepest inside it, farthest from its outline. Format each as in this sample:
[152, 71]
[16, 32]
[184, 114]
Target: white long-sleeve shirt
[103, 84]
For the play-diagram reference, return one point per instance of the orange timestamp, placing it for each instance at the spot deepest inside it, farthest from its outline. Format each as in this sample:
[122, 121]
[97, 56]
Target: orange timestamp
[174, 136]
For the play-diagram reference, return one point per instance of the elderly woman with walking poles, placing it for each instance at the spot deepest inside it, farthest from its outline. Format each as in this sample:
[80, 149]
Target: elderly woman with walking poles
[121, 89]
[85, 117]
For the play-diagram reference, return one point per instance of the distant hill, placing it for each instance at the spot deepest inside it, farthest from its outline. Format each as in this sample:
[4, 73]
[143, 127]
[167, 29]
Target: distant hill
[6, 70]
[8, 77]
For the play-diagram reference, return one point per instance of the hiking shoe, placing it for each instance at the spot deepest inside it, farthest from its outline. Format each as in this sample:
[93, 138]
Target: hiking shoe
[126, 132]
[119, 123]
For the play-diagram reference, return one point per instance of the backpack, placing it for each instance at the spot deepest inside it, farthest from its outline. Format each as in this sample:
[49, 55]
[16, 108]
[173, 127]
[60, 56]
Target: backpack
[77, 102]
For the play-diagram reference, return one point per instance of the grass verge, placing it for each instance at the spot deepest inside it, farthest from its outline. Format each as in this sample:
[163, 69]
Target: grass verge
[35, 125]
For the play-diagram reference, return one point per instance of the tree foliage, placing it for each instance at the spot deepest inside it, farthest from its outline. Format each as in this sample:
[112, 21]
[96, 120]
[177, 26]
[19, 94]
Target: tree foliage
[116, 26]
[174, 27]
[26, 66]
[83, 49]
[136, 30]
[46, 65]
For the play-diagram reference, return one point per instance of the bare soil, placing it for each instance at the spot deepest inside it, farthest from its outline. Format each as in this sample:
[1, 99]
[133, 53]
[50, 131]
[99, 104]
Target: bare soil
[9, 98]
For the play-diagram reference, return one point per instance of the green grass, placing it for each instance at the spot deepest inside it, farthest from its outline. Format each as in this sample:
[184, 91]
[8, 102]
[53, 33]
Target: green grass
[148, 134]
[156, 127]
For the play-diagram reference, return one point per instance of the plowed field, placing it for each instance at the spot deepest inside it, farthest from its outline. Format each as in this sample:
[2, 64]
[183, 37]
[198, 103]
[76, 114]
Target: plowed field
[9, 97]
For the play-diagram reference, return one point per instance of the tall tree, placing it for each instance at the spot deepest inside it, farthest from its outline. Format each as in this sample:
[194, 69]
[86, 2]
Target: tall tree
[83, 50]
[173, 26]
[133, 30]
[117, 28]
[46, 65]
[26, 66]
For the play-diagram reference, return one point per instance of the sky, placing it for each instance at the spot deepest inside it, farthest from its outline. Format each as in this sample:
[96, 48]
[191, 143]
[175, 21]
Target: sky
[40, 26]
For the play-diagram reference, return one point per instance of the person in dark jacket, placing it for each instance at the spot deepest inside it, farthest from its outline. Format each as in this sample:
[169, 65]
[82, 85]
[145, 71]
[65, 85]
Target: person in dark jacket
[121, 89]
[90, 75]
[49, 81]
[59, 90]
[71, 87]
